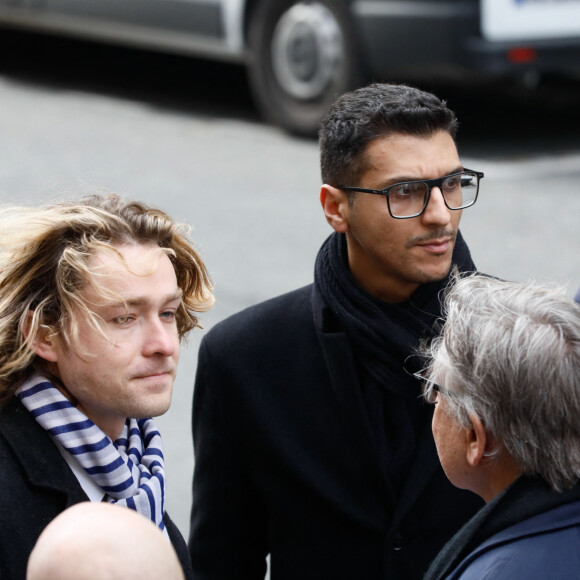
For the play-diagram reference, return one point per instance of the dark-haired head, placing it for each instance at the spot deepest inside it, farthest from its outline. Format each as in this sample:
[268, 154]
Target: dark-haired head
[377, 110]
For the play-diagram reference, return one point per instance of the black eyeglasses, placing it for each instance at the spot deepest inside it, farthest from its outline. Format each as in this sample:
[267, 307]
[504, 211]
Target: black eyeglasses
[409, 199]
[430, 388]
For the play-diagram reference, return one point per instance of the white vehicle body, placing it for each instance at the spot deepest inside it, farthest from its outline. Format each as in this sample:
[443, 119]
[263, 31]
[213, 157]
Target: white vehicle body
[505, 20]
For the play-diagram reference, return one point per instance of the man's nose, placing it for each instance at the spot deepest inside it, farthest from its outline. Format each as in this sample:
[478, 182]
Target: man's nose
[436, 211]
[160, 338]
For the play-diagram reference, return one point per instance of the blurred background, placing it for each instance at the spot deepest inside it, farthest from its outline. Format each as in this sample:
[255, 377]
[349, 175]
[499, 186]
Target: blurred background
[189, 136]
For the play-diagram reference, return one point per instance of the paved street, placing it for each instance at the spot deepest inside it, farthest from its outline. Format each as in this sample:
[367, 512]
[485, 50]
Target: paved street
[185, 136]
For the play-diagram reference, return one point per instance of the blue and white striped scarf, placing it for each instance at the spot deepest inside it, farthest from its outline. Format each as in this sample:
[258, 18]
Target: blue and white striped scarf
[129, 470]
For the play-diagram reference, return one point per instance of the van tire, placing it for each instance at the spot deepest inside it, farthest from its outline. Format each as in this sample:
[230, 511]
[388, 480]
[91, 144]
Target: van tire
[303, 55]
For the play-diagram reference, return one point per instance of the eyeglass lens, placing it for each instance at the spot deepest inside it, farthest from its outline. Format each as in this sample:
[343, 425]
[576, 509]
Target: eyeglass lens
[409, 199]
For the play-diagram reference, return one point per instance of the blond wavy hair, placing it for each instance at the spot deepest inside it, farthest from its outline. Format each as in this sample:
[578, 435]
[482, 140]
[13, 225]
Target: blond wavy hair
[44, 262]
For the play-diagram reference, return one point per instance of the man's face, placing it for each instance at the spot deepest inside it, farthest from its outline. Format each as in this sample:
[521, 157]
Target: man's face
[451, 442]
[129, 369]
[392, 257]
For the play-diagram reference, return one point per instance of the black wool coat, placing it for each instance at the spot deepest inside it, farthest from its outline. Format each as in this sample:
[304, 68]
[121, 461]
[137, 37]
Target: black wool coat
[286, 462]
[37, 484]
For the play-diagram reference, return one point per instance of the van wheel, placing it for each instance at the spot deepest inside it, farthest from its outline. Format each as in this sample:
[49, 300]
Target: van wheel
[303, 55]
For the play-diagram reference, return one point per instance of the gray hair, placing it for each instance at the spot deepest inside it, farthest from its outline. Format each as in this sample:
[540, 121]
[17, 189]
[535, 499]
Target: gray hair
[510, 354]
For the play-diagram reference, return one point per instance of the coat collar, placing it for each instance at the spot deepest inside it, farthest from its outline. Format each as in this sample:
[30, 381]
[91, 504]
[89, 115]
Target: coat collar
[526, 498]
[38, 456]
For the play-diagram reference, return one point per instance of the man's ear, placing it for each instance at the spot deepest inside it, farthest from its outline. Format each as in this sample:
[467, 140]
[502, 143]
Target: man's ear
[43, 344]
[476, 441]
[335, 205]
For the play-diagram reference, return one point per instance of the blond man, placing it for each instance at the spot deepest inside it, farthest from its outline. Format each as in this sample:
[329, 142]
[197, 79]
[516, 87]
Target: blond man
[95, 297]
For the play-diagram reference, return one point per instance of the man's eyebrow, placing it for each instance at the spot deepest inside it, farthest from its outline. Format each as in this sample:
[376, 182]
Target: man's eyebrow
[140, 300]
[458, 169]
[405, 178]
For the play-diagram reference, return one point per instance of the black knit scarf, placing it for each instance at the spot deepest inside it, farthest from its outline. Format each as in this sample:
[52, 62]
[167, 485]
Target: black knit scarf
[384, 338]
[383, 334]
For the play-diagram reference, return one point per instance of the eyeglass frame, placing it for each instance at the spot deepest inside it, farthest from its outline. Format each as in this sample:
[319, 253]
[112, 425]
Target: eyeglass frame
[430, 183]
[431, 385]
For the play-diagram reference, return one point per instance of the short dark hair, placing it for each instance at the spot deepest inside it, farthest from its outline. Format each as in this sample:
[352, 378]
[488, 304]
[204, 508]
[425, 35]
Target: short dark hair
[379, 109]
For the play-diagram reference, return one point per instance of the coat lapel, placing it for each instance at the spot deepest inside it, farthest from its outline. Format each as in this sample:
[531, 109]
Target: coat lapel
[342, 370]
[424, 465]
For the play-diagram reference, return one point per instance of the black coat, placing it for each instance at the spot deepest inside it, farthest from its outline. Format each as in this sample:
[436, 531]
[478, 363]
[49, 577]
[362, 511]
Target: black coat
[37, 484]
[286, 462]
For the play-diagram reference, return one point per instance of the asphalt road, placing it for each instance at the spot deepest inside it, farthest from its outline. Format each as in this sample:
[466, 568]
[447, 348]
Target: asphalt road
[184, 135]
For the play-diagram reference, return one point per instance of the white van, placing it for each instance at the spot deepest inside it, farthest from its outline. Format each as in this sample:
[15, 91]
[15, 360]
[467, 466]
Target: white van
[301, 54]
